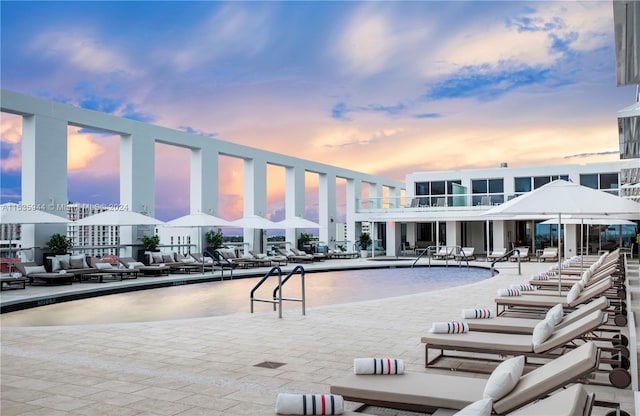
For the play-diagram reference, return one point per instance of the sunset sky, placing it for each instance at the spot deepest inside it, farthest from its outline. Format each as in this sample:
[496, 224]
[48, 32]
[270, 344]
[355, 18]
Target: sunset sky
[387, 88]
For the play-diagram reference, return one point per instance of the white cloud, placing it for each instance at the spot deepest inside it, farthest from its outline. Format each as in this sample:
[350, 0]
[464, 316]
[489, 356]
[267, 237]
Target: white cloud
[374, 41]
[231, 30]
[83, 50]
[528, 41]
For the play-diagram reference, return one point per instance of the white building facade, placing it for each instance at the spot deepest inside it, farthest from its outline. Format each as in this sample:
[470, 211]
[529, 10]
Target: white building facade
[445, 208]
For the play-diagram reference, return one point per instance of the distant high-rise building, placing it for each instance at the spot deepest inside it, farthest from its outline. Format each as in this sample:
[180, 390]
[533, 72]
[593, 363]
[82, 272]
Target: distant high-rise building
[94, 235]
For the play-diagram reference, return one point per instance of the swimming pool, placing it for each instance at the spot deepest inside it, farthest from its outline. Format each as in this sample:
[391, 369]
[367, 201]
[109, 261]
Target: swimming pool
[232, 296]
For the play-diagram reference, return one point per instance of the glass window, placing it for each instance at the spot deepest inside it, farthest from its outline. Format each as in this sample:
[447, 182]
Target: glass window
[522, 184]
[450, 185]
[479, 186]
[538, 181]
[590, 180]
[437, 188]
[563, 177]
[422, 188]
[608, 181]
[496, 186]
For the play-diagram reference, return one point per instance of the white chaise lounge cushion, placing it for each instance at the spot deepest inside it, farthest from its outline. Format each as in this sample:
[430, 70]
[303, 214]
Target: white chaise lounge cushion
[34, 269]
[555, 314]
[478, 408]
[504, 378]
[103, 266]
[541, 332]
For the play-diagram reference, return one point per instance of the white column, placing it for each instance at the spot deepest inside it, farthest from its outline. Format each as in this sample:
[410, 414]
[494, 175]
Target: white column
[44, 175]
[137, 184]
[375, 195]
[327, 207]
[294, 198]
[204, 187]
[255, 198]
[498, 235]
[453, 233]
[353, 200]
[393, 238]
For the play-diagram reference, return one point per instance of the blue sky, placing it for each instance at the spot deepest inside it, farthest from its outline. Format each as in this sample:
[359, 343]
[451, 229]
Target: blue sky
[387, 88]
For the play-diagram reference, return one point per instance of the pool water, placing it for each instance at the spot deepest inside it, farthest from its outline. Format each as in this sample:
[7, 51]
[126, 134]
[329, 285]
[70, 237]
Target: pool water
[232, 296]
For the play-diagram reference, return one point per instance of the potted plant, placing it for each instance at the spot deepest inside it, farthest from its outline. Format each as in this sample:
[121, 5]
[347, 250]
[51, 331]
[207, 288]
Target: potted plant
[214, 240]
[364, 242]
[150, 242]
[59, 243]
[304, 242]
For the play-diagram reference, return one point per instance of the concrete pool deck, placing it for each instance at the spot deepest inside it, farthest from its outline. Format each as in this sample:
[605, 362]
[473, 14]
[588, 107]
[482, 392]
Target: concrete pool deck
[206, 366]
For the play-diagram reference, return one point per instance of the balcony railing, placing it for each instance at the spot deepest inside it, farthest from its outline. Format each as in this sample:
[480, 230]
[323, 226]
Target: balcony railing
[430, 202]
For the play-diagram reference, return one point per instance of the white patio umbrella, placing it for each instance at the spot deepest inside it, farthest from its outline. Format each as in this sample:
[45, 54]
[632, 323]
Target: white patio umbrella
[561, 197]
[199, 220]
[118, 218]
[297, 222]
[255, 221]
[12, 213]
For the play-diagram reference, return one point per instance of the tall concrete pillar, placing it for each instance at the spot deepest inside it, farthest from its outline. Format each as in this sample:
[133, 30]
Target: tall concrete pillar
[327, 207]
[204, 185]
[354, 199]
[294, 198]
[137, 184]
[255, 199]
[44, 175]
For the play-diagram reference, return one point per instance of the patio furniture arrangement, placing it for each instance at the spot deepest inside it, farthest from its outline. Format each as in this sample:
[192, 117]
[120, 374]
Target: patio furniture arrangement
[38, 274]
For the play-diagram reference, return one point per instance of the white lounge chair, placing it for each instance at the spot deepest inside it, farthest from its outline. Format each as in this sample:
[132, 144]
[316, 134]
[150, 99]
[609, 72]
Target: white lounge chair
[496, 254]
[427, 392]
[549, 253]
[466, 253]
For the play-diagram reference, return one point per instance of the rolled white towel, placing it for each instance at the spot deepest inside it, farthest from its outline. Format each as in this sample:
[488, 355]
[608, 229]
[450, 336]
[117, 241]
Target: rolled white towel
[449, 327]
[541, 276]
[508, 292]
[378, 366]
[479, 313]
[309, 404]
[523, 287]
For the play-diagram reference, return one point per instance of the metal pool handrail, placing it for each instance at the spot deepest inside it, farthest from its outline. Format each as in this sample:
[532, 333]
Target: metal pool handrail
[277, 292]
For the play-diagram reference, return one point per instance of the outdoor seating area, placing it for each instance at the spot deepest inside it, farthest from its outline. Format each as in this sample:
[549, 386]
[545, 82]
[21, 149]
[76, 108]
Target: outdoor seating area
[431, 389]
[554, 346]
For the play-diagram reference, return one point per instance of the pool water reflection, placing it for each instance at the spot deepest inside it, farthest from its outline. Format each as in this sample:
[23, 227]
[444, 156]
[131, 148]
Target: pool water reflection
[229, 297]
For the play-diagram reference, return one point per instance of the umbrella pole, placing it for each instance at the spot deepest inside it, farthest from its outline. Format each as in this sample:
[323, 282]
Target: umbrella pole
[581, 244]
[559, 254]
